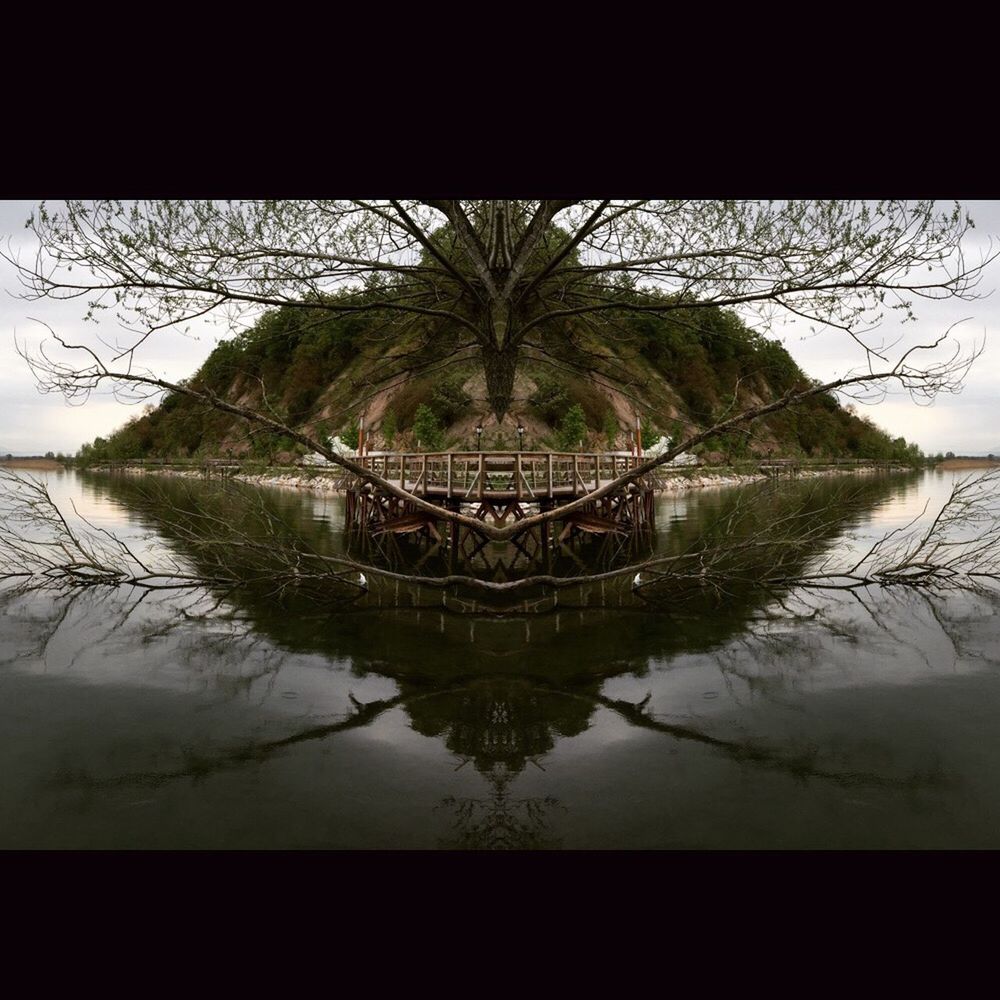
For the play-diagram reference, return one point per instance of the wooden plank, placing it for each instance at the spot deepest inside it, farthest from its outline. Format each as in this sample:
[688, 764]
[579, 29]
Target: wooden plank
[594, 525]
[473, 486]
[524, 478]
[405, 524]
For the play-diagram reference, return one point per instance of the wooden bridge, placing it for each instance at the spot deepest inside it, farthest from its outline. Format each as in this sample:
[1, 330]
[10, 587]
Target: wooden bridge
[499, 486]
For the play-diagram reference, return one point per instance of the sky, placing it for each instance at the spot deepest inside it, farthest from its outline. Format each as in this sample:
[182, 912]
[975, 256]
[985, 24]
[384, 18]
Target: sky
[968, 423]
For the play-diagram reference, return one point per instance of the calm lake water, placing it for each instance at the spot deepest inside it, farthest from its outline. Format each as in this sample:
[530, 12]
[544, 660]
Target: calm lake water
[601, 723]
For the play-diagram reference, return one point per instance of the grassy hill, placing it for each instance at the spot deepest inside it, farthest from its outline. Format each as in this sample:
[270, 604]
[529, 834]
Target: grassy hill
[577, 388]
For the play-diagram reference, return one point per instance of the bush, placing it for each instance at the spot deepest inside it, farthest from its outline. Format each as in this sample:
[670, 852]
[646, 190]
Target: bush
[349, 435]
[611, 428]
[449, 400]
[427, 428]
[572, 428]
[550, 398]
[389, 427]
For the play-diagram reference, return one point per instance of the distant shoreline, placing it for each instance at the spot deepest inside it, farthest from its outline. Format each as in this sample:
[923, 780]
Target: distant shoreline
[46, 464]
[968, 463]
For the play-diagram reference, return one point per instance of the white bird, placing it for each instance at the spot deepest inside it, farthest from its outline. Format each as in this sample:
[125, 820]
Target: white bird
[636, 580]
[362, 580]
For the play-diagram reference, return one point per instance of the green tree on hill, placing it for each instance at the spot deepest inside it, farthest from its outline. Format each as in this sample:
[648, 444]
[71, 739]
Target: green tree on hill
[611, 429]
[573, 428]
[650, 436]
[427, 428]
[350, 435]
[389, 427]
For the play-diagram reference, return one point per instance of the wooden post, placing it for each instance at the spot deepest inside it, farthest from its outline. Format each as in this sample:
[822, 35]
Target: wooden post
[550, 473]
[449, 475]
[361, 435]
[576, 473]
[638, 437]
[482, 475]
[597, 472]
[517, 477]
[402, 472]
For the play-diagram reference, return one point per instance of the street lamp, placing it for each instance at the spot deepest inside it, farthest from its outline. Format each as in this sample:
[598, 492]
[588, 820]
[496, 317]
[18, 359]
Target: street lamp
[520, 437]
[479, 437]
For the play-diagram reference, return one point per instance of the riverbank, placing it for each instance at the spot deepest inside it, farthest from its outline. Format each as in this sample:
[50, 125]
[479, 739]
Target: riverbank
[704, 478]
[671, 481]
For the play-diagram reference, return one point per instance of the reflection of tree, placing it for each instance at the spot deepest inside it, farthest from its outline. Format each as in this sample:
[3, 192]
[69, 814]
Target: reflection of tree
[501, 753]
[498, 822]
[499, 722]
[202, 765]
[801, 764]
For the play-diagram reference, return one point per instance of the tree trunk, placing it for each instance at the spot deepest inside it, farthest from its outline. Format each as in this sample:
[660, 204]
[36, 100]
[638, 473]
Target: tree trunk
[500, 367]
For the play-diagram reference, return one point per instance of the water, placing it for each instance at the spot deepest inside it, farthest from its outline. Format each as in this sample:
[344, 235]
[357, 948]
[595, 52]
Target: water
[277, 721]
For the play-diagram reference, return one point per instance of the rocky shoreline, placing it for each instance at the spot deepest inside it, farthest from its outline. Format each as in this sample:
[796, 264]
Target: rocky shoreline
[706, 478]
[322, 482]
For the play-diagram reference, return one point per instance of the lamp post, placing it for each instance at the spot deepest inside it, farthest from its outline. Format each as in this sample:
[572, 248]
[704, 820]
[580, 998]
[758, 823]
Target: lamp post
[479, 437]
[520, 437]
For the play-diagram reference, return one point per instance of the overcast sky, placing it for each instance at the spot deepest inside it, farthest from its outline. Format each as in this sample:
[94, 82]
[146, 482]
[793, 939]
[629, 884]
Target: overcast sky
[31, 423]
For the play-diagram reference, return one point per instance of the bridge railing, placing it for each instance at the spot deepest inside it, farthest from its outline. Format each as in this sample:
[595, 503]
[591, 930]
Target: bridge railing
[521, 475]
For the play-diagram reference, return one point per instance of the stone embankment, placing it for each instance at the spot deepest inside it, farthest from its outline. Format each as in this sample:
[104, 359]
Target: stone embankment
[323, 482]
[670, 482]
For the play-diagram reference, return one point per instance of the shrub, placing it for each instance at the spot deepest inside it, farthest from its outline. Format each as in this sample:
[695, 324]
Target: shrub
[349, 435]
[427, 428]
[611, 428]
[550, 398]
[449, 400]
[572, 428]
[389, 427]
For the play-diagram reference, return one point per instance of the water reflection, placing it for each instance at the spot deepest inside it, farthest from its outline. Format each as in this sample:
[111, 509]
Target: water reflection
[504, 699]
[499, 821]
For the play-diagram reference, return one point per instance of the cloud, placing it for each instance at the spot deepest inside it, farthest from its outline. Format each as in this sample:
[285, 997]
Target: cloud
[34, 423]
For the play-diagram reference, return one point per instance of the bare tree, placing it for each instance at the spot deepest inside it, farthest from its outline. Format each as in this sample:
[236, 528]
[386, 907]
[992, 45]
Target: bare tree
[511, 278]
[504, 272]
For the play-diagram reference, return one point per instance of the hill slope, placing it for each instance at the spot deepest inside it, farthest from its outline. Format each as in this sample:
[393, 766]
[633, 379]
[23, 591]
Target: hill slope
[419, 389]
